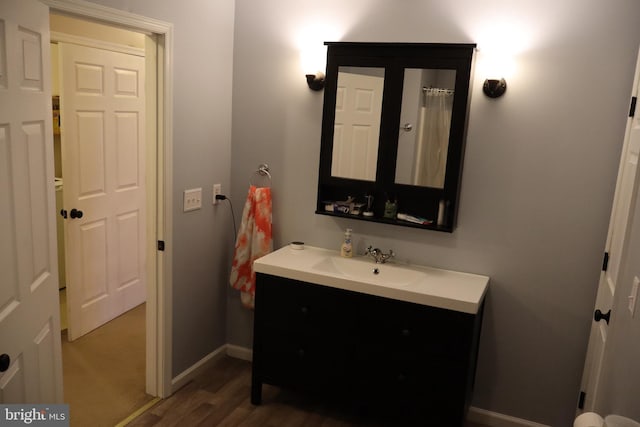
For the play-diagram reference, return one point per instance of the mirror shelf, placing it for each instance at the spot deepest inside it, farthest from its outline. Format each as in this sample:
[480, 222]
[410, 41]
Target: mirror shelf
[381, 220]
[393, 131]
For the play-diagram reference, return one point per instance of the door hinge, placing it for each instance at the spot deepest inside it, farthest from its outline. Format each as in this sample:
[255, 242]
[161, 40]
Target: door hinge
[161, 245]
[605, 261]
[632, 109]
[581, 399]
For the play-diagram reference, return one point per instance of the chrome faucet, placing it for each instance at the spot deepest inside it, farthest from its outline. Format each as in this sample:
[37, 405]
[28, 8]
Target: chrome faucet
[379, 256]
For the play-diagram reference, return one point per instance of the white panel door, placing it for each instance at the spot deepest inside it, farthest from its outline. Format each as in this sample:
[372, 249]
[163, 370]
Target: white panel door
[103, 156]
[623, 202]
[357, 126]
[29, 314]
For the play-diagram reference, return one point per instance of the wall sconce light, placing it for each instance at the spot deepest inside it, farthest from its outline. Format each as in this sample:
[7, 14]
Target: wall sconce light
[313, 60]
[315, 81]
[496, 64]
[494, 88]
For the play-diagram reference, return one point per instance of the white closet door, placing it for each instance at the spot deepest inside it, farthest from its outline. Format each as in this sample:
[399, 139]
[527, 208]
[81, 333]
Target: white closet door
[102, 118]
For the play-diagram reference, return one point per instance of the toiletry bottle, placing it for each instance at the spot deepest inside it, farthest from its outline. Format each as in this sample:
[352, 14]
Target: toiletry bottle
[443, 208]
[346, 250]
[390, 209]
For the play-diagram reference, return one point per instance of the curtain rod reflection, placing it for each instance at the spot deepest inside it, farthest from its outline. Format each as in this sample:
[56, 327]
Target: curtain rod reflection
[434, 90]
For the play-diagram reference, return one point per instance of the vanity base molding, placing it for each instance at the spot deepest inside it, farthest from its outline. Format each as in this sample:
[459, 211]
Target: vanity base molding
[378, 355]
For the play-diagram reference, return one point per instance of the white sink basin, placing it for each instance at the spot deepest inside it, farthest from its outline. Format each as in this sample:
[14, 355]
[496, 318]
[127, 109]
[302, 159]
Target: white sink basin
[447, 289]
[367, 271]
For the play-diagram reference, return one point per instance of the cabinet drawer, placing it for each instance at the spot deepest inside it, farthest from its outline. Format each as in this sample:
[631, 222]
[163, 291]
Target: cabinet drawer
[436, 385]
[407, 327]
[293, 306]
[303, 359]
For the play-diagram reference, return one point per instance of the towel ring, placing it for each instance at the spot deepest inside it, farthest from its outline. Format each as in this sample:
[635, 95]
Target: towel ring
[261, 174]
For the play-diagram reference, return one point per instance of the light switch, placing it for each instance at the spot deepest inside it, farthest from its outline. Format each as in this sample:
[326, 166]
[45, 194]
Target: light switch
[192, 199]
[633, 298]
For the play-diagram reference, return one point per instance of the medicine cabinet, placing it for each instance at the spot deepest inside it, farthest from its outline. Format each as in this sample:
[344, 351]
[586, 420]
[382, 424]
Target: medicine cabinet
[393, 130]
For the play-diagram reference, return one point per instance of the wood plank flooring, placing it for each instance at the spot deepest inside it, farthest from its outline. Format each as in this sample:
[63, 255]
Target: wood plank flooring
[220, 397]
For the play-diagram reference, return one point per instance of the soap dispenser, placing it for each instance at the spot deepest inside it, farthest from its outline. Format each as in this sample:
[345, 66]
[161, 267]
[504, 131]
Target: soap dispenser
[346, 250]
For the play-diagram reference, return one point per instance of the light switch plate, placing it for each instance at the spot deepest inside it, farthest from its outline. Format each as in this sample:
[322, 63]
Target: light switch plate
[633, 298]
[192, 199]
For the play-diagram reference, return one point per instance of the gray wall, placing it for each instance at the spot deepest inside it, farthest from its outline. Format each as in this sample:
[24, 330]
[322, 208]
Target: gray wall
[538, 178]
[203, 48]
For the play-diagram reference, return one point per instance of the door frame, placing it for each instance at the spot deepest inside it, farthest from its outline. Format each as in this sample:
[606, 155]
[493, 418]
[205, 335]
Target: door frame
[160, 177]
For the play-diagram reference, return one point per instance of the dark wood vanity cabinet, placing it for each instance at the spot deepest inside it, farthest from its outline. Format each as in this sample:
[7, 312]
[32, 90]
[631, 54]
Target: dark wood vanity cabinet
[407, 361]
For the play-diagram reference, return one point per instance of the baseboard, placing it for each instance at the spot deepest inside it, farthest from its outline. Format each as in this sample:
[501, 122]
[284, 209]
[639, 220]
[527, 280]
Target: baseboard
[190, 373]
[238, 352]
[194, 370]
[494, 419]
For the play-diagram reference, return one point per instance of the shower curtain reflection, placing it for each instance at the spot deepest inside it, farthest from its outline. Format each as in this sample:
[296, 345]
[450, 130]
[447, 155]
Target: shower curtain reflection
[432, 138]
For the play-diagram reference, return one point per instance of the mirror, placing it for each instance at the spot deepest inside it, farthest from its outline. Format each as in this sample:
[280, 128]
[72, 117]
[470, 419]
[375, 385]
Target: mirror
[393, 132]
[425, 118]
[357, 122]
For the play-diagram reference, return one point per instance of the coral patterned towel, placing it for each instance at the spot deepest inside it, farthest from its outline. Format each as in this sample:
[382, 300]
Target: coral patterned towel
[254, 240]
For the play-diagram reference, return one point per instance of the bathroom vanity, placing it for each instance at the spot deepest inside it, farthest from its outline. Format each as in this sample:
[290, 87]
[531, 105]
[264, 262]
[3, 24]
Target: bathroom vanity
[398, 341]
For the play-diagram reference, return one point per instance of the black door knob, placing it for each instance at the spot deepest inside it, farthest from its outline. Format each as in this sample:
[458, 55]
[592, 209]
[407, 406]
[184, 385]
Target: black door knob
[598, 316]
[63, 213]
[5, 361]
[75, 213]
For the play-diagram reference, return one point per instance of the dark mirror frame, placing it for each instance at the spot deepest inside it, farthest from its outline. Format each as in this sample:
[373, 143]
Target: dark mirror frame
[414, 200]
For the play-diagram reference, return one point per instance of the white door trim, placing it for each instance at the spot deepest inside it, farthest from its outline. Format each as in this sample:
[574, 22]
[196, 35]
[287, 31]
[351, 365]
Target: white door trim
[60, 37]
[159, 294]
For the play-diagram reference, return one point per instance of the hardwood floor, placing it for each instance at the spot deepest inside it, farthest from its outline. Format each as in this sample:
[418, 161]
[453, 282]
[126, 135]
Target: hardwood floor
[220, 397]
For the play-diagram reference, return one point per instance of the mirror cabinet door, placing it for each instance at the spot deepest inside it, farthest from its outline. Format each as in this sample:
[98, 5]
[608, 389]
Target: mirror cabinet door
[425, 118]
[356, 132]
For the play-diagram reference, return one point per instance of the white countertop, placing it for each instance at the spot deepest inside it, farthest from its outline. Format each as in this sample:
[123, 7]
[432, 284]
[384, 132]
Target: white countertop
[434, 287]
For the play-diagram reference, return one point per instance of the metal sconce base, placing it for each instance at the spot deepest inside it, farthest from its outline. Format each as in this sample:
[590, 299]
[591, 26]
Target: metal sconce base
[494, 88]
[315, 81]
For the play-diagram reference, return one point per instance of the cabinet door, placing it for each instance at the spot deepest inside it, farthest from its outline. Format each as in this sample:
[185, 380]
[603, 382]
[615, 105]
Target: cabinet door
[301, 333]
[410, 353]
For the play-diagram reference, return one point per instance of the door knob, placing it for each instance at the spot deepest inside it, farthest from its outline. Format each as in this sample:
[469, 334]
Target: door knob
[598, 316]
[75, 213]
[63, 213]
[5, 361]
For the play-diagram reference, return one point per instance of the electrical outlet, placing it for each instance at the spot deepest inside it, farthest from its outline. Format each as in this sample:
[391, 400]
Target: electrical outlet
[217, 189]
[192, 199]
